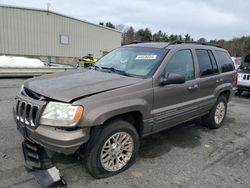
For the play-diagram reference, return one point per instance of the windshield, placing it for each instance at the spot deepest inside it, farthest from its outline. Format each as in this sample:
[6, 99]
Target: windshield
[132, 61]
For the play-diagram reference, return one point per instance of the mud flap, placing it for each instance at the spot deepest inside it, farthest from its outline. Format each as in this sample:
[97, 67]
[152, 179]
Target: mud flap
[40, 165]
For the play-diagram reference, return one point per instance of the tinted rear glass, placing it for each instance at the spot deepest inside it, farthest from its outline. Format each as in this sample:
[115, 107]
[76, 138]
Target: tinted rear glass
[205, 63]
[225, 61]
[215, 66]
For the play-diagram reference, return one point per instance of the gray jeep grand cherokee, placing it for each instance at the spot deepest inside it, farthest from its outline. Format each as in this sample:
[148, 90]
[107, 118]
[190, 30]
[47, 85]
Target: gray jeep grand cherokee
[133, 91]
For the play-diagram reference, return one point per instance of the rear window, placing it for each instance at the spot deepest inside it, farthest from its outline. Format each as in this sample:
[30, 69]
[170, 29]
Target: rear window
[225, 61]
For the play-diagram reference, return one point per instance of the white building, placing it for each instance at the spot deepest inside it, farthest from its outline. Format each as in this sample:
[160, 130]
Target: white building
[52, 36]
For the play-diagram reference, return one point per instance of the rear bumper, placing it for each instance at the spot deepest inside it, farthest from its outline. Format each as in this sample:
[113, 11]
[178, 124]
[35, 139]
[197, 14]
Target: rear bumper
[57, 140]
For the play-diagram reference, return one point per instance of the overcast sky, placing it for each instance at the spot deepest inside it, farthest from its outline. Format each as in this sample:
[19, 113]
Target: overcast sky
[212, 19]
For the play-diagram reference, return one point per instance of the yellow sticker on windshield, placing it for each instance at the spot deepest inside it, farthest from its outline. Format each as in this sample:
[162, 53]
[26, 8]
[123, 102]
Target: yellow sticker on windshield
[146, 57]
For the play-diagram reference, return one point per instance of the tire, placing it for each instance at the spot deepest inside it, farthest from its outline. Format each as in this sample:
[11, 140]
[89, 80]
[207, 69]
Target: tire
[215, 118]
[100, 137]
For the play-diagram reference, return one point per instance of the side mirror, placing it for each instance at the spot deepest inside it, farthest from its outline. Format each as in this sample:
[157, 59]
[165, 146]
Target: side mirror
[172, 79]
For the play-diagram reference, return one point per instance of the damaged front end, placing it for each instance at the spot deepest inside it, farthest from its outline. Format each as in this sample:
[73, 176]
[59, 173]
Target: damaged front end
[38, 162]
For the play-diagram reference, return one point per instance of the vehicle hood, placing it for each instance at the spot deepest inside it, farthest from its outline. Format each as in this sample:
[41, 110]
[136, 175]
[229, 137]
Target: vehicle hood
[244, 68]
[71, 85]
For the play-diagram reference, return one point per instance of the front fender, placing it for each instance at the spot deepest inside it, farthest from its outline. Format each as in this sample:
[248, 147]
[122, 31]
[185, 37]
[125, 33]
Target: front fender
[102, 113]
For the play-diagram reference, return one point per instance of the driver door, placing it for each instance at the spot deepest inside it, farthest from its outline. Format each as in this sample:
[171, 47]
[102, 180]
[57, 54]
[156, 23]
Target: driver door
[176, 103]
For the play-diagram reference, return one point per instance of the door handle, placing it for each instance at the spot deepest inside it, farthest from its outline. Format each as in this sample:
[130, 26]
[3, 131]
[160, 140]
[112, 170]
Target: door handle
[193, 87]
[219, 80]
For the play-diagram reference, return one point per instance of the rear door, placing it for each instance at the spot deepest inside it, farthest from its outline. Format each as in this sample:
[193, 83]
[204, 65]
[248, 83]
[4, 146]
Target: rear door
[176, 103]
[210, 78]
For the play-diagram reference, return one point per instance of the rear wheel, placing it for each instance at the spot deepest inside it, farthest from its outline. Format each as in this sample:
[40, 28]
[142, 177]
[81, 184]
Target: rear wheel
[112, 149]
[215, 118]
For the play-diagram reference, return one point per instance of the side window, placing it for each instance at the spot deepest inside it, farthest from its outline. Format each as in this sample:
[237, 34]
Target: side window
[181, 63]
[204, 61]
[215, 66]
[225, 61]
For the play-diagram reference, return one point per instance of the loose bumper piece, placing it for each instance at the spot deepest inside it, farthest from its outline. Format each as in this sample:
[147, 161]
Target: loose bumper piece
[49, 178]
[39, 163]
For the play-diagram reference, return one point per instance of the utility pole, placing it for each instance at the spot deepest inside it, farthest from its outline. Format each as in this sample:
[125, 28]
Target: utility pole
[48, 6]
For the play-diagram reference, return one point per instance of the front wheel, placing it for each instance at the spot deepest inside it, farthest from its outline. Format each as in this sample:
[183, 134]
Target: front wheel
[215, 118]
[111, 149]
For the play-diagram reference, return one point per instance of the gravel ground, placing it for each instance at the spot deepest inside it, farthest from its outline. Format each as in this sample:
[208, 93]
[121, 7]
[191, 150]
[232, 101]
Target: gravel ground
[188, 155]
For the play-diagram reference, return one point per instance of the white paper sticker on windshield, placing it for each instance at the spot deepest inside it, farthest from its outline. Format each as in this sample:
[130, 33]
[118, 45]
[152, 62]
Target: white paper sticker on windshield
[145, 57]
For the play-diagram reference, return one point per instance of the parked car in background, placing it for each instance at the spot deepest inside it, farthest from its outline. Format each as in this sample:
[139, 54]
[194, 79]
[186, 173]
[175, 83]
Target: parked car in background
[132, 92]
[243, 82]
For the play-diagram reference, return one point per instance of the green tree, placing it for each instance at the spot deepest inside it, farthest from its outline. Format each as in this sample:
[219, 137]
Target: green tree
[128, 36]
[187, 37]
[143, 35]
[147, 35]
[172, 38]
[158, 36]
[179, 37]
[247, 44]
[202, 40]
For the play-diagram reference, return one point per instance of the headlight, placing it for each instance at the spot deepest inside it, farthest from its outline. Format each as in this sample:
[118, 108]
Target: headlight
[61, 114]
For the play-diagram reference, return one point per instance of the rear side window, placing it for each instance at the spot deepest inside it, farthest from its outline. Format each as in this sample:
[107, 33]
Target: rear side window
[205, 63]
[215, 66]
[225, 61]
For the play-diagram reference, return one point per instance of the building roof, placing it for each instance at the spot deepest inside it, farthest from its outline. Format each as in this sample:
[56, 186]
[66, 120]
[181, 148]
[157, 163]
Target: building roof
[59, 14]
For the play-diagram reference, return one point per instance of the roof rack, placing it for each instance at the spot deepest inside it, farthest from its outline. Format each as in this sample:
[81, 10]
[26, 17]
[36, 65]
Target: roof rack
[193, 42]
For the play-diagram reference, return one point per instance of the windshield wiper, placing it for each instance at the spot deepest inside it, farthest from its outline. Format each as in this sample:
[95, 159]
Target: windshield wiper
[95, 67]
[112, 69]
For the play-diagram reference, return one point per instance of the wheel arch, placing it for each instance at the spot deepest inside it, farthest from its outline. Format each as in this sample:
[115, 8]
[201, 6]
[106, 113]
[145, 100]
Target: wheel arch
[226, 94]
[135, 118]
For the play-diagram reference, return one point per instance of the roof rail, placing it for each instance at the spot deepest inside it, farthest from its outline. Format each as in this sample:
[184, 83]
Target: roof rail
[193, 42]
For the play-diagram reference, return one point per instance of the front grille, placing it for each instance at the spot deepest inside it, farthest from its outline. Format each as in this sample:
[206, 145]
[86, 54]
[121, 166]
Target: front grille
[26, 112]
[246, 77]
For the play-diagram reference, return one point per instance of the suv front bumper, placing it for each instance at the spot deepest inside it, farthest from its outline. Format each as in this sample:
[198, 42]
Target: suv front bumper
[243, 88]
[243, 83]
[61, 141]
